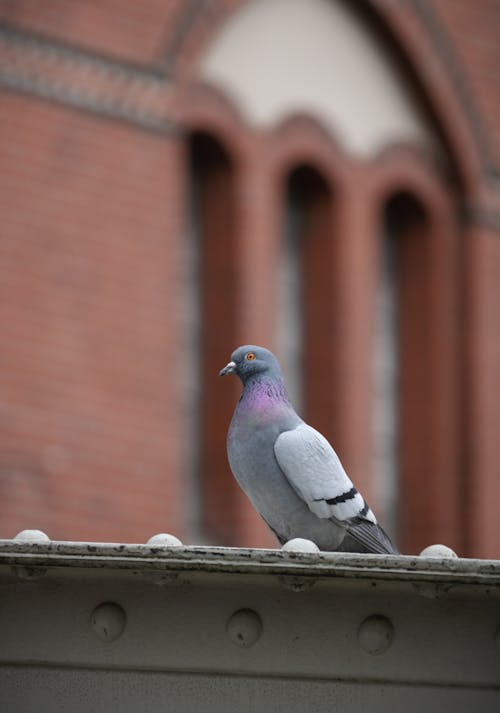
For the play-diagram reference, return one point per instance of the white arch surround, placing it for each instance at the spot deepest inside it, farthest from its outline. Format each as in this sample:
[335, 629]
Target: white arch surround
[277, 58]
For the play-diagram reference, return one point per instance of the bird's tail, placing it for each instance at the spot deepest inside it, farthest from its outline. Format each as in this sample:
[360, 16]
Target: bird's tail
[365, 536]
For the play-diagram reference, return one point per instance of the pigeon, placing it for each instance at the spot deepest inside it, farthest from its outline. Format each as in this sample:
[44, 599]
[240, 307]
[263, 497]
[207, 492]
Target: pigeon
[288, 470]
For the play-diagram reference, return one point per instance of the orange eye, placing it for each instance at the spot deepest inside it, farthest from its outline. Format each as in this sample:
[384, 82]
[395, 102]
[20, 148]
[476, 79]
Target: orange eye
[250, 356]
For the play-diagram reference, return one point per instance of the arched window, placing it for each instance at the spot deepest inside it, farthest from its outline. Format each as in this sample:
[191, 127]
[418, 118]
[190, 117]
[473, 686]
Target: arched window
[399, 345]
[415, 467]
[211, 257]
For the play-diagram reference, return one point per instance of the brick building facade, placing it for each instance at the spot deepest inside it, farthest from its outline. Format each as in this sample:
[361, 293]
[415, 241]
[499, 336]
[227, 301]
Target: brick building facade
[181, 177]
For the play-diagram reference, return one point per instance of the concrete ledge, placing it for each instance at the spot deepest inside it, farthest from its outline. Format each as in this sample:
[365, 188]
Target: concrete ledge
[108, 626]
[245, 560]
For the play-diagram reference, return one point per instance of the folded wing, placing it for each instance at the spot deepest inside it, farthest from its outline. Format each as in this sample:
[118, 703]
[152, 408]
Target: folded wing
[315, 472]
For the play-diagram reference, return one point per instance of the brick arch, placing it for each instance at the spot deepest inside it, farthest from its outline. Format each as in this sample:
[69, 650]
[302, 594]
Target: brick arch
[301, 138]
[403, 31]
[202, 107]
[409, 34]
[402, 168]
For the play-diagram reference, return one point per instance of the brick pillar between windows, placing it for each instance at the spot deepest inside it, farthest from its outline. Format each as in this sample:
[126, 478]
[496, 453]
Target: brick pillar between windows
[256, 264]
[481, 493]
[316, 244]
[354, 269]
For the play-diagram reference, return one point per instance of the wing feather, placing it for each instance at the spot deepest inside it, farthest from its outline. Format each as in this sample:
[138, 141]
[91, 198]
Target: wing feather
[315, 472]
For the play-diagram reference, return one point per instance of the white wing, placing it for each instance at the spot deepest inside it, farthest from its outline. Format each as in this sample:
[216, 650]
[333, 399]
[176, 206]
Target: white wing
[315, 472]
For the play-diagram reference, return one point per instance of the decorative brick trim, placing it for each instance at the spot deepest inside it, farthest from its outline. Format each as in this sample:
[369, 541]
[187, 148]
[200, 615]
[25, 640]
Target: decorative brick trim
[75, 78]
[444, 47]
[424, 41]
[189, 11]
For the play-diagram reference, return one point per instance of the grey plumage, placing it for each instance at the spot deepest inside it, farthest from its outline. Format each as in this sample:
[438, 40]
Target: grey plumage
[288, 470]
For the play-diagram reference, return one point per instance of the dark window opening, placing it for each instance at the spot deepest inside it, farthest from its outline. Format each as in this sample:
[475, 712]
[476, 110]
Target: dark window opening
[211, 255]
[403, 370]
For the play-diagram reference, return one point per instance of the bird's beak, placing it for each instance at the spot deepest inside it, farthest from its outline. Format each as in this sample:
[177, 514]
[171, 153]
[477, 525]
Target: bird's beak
[228, 369]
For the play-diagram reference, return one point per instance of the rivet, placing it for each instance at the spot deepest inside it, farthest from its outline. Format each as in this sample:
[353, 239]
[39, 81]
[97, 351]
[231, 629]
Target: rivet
[375, 634]
[30, 537]
[244, 628]
[440, 551]
[163, 539]
[34, 536]
[300, 544]
[108, 621]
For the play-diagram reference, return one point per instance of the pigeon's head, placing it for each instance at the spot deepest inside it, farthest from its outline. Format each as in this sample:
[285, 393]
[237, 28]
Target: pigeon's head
[250, 360]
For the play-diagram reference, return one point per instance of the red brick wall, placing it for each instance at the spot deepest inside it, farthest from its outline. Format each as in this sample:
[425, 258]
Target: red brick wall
[89, 209]
[134, 32]
[93, 201]
[481, 398]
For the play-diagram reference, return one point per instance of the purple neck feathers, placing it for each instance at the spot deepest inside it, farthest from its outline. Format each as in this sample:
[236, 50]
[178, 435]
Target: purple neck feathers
[262, 393]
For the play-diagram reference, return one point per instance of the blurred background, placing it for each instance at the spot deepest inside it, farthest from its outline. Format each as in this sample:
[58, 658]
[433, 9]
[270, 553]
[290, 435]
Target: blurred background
[179, 177]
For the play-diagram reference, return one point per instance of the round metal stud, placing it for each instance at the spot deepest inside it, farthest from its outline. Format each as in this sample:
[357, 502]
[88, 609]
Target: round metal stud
[299, 544]
[34, 536]
[30, 537]
[439, 551]
[244, 628]
[375, 634]
[108, 621]
[163, 539]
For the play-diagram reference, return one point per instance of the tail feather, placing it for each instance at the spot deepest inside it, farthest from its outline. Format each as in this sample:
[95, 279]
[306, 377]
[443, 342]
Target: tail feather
[365, 536]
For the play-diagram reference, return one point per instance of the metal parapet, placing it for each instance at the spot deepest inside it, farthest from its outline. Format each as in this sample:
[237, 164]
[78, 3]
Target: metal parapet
[106, 626]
